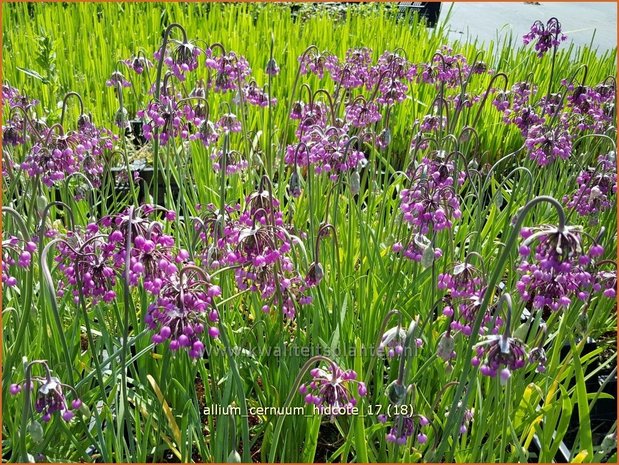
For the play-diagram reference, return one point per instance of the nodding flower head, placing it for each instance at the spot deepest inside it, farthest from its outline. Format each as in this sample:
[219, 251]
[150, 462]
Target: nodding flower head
[315, 274]
[332, 387]
[392, 342]
[559, 268]
[50, 396]
[405, 426]
[229, 122]
[15, 252]
[546, 37]
[183, 309]
[138, 64]
[464, 281]
[496, 351]
[556, 244]
[232, 71]
[313, 62]
[184, 58]
[467, 419]
[272, 69]
[595, 188]
[117, 78]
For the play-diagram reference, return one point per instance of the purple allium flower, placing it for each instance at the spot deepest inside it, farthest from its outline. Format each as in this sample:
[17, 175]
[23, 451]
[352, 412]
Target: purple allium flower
[183, 309]
[117, 78]
[537, 355]
[467, 419]
[559, 268]
[405, 426]
[234, 161]
[432, 123]
[361, 113]
[50, 395]
[15, 252]
[315, 274]
[330, 151]
[392, 342]
[229, 123]
[606, 282]
[332, 387]
[596, 186]
[87, 264]
[354, 71]
[181, 58]
[58, 155]
[430, 204]
[272, 69]
[257, 96]
[591, 108]
[15, 99]
[418, 248]
[138, 64]
[548, 143]
[232, 71]
[496, 351]
[164, 116]
[51, 399]
[263, 251]
[313, 62]
[545, 37]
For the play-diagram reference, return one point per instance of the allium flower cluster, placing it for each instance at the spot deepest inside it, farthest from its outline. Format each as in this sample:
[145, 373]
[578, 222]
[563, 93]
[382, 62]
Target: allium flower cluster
[592, 108]
[232, 70]
[361, 113]
[558, 270]
[329, 151]
[496, 351]
[546, 38]
[466, 288]
[15, 252]
[354, 71]
[50, 396]
[259, 246]
[449, 69]
[547, 143]
[404, 426]
[86, 259]
[181, 58]
[234, 161]
[138, 64]
[467, 419]
[431, 204]
[331, 389]
[596, 187]
[313, 62]
[257, 96]
[117, 79]
[264, 252]
[58, 155]
[182, 307]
